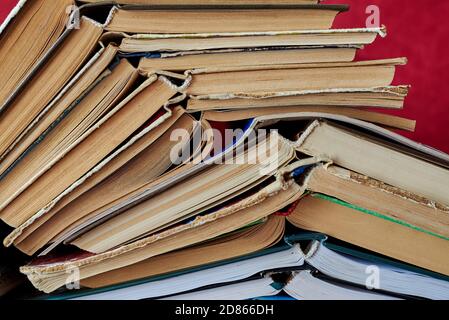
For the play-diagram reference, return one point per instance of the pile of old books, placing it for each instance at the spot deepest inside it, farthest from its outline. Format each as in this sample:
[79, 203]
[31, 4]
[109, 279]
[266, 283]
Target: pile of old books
[210, 150]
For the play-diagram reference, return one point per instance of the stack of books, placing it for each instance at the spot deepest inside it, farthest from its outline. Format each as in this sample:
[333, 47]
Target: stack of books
[210, 150]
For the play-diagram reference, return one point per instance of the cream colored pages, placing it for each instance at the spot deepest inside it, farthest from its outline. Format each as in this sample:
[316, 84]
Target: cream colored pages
[364, 155]
[76, 89]
[104, 140]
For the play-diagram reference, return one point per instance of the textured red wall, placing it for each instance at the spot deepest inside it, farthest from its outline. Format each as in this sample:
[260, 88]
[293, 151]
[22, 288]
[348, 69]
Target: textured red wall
[418, 30]
[5, 7]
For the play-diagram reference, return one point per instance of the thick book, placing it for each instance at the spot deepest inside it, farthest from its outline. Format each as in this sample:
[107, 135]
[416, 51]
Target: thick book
[209, 41]
[382, 119]
[28, 33]
[230, 19]
[246, 105]
[371, 230]
[394, 203]
[75, 90]
[47, 82]
[181, 62]
[313, 77]
[378, 159]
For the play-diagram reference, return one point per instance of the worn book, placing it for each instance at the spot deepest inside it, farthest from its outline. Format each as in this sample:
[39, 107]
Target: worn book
[230, 19]
[29, 32]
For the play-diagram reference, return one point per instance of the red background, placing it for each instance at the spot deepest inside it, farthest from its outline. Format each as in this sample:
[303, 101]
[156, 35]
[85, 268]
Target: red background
[418, 30]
